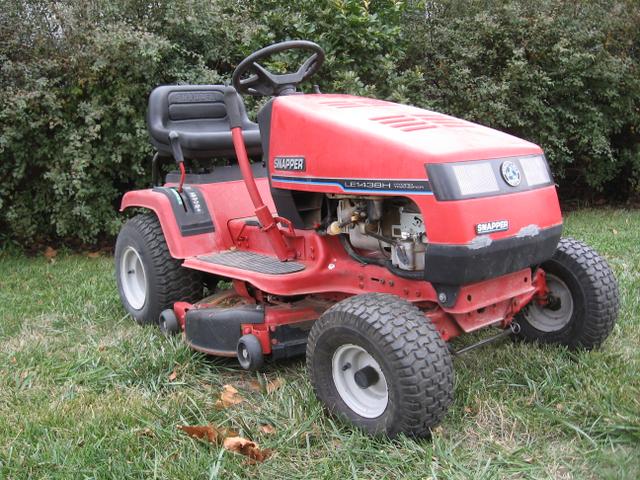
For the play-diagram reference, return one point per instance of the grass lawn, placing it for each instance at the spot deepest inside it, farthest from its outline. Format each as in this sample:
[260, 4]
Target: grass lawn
[85, 393]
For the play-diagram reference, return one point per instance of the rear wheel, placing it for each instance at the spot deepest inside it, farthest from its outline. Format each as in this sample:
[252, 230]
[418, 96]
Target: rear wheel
[583, 299]
[149, 279]
[378, 361]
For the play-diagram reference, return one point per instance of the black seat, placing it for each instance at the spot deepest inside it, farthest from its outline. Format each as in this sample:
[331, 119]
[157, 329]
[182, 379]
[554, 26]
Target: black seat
[198, 114]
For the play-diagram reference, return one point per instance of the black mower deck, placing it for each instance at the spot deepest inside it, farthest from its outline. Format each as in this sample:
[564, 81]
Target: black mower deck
[253, 262]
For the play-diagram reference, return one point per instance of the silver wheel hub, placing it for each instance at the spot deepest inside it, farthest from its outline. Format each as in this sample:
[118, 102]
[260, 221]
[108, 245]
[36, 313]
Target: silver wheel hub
[133, 278]
[359, 381]
[552, 319]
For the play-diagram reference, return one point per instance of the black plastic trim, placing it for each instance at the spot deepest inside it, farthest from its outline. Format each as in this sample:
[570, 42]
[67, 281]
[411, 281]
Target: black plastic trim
[219, 329]
[189, 209]
[463, 264]
[445, 186]
[220, 174]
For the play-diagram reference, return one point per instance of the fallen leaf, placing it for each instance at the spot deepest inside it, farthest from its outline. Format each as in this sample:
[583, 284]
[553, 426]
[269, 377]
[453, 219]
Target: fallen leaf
[229, 397]
[50, 253]
[208, 432]
[13, 360]
[268, 429]
[255, 386]
[467, 410]
[102, 348]
[173, 376]
[246, 447]
[145, 432]
[273, 385]
[261, 385]
[93, 254]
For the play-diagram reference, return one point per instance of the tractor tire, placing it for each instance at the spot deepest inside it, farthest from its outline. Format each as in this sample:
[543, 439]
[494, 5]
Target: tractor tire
[149, 279]
[584, 300]
[377, 360]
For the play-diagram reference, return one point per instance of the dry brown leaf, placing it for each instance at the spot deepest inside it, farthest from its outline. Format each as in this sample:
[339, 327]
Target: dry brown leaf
[208, 432]
[255, 386]
[93, 254]
[13, 360]
[268, 429]
[204, 432]
[246, 447]
[145, 432]
[229, 397]
[173, 376]
[274, 385]
[270, 387]
[102, 348]
[50, 253]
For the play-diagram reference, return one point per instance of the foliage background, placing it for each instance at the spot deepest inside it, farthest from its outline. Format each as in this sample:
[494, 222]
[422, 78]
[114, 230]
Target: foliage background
[75, 77]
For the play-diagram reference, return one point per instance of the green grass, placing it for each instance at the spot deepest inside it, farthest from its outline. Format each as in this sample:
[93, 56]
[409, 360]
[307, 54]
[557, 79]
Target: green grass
[85, 393]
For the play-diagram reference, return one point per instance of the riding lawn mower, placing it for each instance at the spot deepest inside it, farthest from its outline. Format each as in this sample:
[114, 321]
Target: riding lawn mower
[363, 233]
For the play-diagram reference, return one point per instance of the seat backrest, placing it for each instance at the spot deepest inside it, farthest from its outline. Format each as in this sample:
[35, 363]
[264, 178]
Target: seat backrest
[199, 116]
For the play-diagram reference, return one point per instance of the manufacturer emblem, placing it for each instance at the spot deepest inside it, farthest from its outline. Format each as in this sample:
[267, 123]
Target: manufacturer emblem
[511, 173]
[490, 227]
[295, 164]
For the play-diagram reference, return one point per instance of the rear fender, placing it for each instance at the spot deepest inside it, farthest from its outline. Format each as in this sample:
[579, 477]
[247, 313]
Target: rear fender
[179, 246]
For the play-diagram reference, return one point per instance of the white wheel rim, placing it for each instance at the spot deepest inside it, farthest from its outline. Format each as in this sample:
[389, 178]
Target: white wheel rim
[545, 319]
[370, 402]
[133, 278]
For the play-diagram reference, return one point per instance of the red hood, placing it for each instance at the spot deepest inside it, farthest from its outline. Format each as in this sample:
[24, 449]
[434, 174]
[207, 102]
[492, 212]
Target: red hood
[346, 130]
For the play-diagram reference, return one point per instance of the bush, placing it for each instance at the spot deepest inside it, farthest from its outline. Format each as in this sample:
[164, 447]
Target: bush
[76, 75]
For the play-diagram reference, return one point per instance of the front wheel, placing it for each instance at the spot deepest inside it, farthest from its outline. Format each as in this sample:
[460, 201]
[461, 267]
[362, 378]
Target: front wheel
[378, 361]
[150, 280]
[583, 300]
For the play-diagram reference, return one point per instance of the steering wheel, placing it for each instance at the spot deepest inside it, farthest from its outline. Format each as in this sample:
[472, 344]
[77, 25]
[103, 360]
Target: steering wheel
[263, 82]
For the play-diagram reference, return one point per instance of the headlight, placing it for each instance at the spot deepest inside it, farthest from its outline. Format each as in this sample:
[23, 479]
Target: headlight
[535, 170]
[482, 178]
[475, 178]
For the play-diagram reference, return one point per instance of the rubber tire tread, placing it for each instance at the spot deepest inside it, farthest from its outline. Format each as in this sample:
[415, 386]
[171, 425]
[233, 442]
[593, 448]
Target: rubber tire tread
[597, 291]
[412, 354]
[169, 281]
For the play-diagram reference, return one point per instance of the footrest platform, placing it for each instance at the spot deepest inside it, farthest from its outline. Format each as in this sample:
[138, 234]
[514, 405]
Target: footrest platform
[254, 262]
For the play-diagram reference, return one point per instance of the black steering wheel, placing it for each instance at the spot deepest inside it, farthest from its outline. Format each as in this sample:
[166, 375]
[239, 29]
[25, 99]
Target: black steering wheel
[263, 82]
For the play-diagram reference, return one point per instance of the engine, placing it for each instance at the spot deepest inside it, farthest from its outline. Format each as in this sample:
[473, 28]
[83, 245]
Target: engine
[382, 229]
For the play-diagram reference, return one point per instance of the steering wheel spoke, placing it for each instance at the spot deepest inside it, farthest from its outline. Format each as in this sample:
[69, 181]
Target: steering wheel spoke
[308, 65]
[263, 82]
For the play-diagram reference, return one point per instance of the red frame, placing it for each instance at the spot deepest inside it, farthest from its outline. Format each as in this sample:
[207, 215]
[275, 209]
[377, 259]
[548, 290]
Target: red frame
[334, 133]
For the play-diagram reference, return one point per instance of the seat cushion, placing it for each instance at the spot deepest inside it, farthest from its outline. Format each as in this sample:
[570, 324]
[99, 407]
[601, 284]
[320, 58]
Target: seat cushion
[199, 116]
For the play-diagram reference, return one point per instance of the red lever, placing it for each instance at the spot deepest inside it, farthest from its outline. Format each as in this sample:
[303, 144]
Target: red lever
[269, 224]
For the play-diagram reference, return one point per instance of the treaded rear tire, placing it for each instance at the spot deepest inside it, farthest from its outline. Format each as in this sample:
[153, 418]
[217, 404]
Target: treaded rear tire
[167, 281]
[594, 292]
[413, 357]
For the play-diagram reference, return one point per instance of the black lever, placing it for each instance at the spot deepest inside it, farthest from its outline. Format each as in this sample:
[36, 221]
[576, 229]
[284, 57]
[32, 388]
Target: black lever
[232, 104]
[176, 149]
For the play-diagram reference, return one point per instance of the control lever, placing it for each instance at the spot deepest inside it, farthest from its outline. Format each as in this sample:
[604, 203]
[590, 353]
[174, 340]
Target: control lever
[268, 222]
[176, 149]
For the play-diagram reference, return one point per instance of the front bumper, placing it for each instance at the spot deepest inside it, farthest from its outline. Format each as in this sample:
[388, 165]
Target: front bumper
[463, 264]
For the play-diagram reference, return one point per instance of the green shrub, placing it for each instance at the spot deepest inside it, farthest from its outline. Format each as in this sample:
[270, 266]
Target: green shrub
[75, 77]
